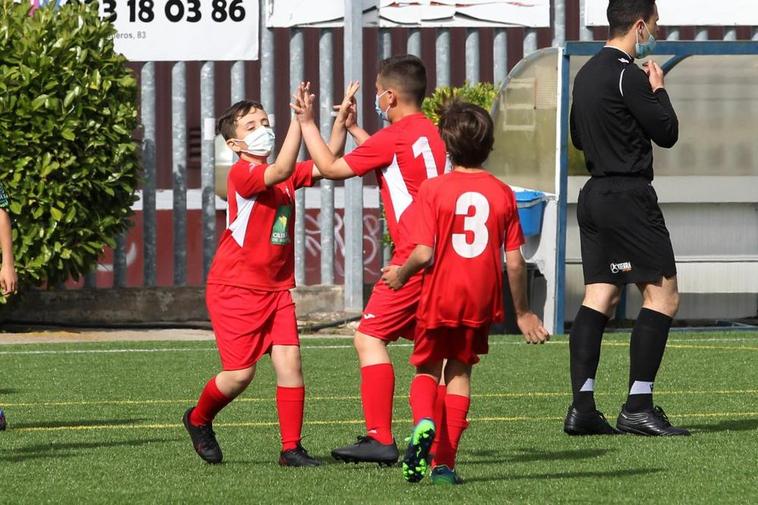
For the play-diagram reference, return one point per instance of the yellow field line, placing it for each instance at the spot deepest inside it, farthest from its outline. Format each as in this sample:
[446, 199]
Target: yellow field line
[339, 422]
[536, 394]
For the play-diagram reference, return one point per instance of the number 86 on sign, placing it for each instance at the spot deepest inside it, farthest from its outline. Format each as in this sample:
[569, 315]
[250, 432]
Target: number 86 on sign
[174, 11]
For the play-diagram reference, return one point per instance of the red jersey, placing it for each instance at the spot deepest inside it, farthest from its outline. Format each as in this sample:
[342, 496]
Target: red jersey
[467, 218]
[257, 248]
[404, 155]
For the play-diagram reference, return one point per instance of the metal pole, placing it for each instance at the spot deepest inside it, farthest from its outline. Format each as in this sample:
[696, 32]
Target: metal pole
[238, 81]
[472, 55]
[584, 32]
[530, 41]
[354, 186]
[208, 163]
[559, 23]
[179, 163]
[119, 262]
[326, 214]
[500, 55]
[297, 65]
[385, 43]
[148, 162]
[414, 42]
[267, 66]
[442, 48]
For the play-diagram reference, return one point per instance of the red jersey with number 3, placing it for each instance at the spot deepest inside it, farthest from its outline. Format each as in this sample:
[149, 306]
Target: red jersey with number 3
[257, 248]
[404, 155]
[468, 218]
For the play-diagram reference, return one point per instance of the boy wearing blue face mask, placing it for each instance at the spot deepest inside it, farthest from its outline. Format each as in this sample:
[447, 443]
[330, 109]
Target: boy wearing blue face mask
[402, 155]
[248, 285]
[619, 109]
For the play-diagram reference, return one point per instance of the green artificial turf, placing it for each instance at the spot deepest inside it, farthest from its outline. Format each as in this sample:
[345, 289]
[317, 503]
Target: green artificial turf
[87, 425]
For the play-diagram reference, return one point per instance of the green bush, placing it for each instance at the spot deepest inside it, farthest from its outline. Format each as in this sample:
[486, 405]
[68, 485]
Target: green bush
[67, 158]
[482, 94]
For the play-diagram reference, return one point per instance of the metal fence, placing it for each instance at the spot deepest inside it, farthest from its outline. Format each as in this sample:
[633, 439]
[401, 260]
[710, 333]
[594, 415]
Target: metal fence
[441, 45]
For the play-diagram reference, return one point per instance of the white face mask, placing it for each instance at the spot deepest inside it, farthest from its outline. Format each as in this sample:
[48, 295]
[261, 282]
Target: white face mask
[260, 142]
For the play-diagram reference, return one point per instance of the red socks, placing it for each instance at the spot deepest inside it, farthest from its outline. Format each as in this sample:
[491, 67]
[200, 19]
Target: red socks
[439, 415]
[289, 405]
[423, 393]
[456, 409]
[377, 392]
[210, 403]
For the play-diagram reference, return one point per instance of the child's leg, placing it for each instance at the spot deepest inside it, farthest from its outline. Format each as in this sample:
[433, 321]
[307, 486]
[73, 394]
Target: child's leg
[439, 408]
[290, 393]
[424, 391]
[218, 392]
[457, 401]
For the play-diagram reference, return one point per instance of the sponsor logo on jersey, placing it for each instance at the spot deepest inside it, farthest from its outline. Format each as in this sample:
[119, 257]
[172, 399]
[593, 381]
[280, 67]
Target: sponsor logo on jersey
[369, 316]
[280, 232]
[626, 266]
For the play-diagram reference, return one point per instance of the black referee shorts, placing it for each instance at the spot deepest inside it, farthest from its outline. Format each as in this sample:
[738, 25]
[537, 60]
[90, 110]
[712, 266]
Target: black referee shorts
[623, 234]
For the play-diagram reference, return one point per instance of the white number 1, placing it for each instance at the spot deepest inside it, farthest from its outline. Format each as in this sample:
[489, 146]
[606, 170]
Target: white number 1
[422, 147]
[476, 224]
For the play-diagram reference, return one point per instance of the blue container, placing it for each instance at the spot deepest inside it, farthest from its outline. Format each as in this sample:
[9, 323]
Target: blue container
[531, 206]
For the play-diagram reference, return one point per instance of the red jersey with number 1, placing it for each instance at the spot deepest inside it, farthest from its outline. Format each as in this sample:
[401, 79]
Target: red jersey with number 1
[404, 155]
[257, 248]
[467, 218]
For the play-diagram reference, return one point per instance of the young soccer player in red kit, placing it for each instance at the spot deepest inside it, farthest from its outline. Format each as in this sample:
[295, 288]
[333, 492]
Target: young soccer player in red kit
[402, 156]
[466, 219]
[248, 285]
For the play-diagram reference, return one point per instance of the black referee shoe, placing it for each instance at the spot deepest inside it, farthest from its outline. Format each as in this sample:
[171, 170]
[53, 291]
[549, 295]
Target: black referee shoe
[368, 450]
[3, 422]
[587, 423]
[297, 457]
[203, 439]
[651, 422]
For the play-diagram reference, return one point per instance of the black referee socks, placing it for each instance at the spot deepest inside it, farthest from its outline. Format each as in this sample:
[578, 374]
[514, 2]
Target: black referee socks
[584, 348]
[646, 349]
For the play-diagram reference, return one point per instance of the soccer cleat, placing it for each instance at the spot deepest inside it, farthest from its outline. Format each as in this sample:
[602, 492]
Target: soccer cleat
[3, 422]
[203, 439]
[587, 423]
[445, 476]
[415, 462]
[297, 457]
[651, 422]
[368, 450]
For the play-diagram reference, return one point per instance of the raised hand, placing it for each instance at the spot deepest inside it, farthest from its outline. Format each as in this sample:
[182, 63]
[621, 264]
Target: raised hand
[302, 103]
[347, 110]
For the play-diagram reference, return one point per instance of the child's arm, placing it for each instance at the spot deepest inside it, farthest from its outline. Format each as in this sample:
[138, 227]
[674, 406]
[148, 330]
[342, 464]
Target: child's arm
[528, 322]
[8, 278]
[284, 165]
[329, 165]
[396, 276]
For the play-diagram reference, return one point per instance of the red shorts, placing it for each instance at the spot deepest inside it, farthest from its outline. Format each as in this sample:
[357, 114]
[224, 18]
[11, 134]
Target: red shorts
[247, 323]
[389, 314]
[462, 344]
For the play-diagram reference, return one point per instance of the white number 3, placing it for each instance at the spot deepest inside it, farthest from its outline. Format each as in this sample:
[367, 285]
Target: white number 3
[476, 224]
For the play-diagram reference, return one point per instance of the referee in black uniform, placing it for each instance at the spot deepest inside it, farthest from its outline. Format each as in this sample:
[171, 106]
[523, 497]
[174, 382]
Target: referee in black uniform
[618, 109]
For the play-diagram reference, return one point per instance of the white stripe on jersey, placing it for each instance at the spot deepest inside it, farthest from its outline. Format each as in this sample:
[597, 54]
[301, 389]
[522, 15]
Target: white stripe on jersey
[244, 211]
[401, 198]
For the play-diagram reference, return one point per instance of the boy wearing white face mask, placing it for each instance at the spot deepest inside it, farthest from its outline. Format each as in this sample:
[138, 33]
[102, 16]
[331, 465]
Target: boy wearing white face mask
[248, 285]
[402, 156]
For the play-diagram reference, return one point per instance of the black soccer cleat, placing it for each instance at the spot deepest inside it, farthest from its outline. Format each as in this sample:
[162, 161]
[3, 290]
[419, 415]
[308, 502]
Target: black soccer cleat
[368, 450]
[297, 457]
[3, 422]
[651, 422]
[203, 439]
[587, 423]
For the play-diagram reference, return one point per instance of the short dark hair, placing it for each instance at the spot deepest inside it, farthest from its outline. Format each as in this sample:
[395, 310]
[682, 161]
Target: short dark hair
[622, 14]
[407, 73]
[468, 132]
[227, 123]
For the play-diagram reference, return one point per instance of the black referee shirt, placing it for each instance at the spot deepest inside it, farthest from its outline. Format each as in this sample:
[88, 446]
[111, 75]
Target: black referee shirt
[615, 115]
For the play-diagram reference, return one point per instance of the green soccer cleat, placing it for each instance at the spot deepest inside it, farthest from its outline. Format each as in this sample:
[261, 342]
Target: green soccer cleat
[445, 476]
[415, 462]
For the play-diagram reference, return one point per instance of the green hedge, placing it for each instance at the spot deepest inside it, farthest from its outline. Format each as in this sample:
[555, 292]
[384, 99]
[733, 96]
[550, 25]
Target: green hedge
[482, 94]
[67, 157]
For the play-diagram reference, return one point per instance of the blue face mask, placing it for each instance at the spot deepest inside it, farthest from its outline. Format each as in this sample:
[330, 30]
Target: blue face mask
[644, 49]
[381, 113]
